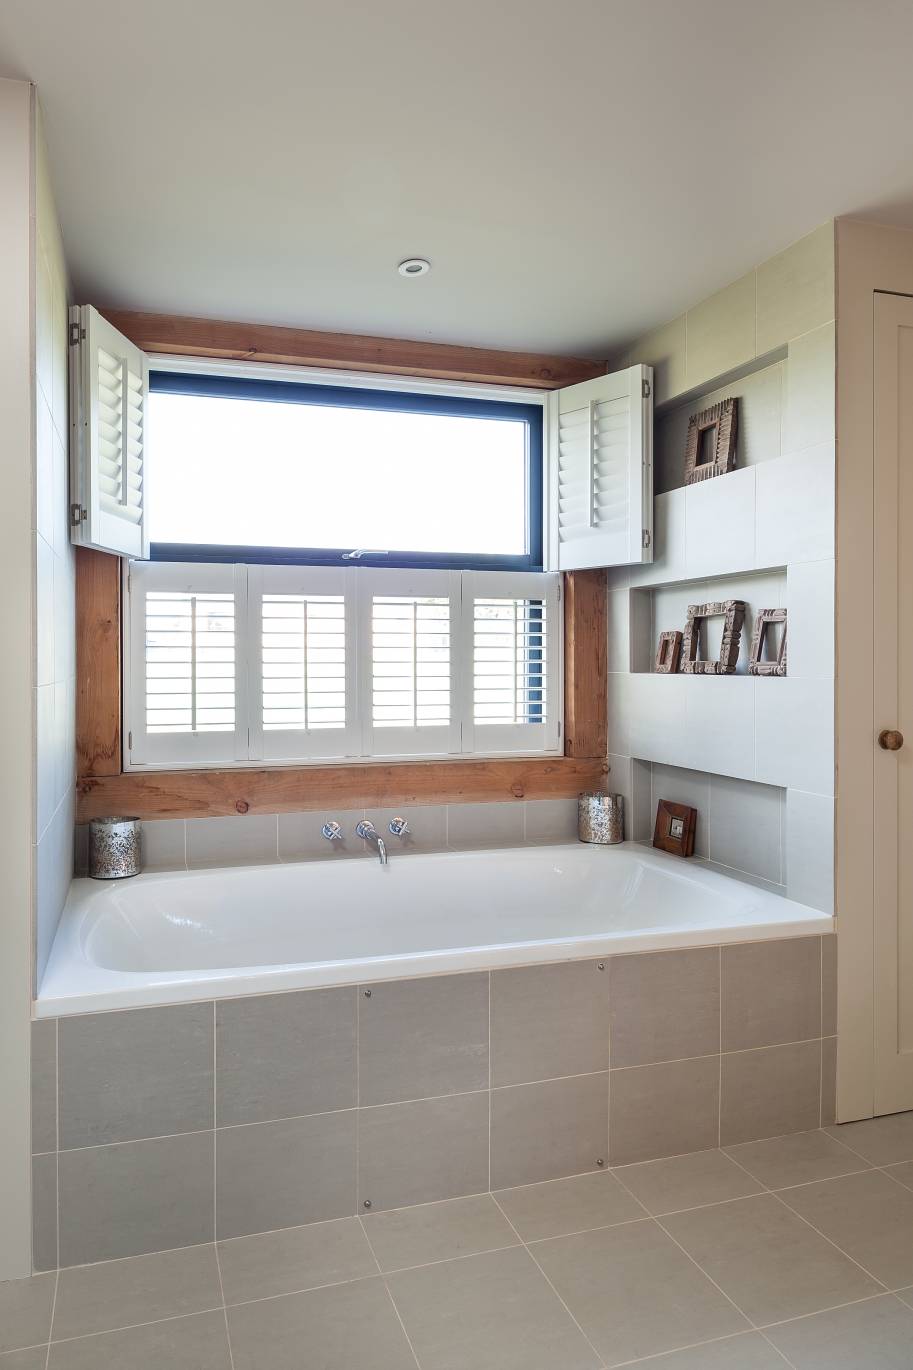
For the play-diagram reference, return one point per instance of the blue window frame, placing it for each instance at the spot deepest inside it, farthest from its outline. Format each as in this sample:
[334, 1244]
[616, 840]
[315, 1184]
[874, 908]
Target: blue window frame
[526, 489]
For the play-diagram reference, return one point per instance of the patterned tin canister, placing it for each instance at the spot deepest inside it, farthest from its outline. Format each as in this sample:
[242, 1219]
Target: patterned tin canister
[114, 848]
[601, 818]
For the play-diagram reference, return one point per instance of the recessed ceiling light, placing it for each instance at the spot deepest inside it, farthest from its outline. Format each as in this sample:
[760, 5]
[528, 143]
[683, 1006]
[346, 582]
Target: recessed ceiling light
[414, 266]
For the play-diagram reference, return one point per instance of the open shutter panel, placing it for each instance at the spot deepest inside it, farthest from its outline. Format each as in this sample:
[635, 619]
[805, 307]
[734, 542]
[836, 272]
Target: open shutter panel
[601, 471]
[109, 382]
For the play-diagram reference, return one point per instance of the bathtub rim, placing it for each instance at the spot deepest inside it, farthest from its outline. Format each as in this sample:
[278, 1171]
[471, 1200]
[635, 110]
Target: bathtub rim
[99, 989]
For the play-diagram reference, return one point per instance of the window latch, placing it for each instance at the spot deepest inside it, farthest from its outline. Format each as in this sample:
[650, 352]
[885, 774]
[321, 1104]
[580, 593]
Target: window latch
[360, 552]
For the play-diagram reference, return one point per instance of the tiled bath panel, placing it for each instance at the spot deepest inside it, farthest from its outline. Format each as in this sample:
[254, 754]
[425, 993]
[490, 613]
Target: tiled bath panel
[163, 1128]
[791, 1252]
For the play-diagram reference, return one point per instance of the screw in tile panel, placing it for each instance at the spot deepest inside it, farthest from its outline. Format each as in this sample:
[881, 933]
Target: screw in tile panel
[599, 1160]
[600, 965]
[367, 1203]
[367, 994]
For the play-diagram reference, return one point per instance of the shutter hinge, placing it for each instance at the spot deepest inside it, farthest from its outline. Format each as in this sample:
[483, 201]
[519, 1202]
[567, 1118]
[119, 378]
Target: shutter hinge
[645, 537]
[130, 740]
[77, 334]
[645, 389]
[77, 515]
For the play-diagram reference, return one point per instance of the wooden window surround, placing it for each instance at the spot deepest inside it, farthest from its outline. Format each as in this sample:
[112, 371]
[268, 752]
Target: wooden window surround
[104, 788]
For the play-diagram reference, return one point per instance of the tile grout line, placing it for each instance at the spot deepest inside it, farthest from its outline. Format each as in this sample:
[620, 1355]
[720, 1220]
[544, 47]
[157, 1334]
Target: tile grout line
[47, 1358]
[600, 1359]
[393, 1302]
[215, 1175]
[56, 1143]
[719, 1096]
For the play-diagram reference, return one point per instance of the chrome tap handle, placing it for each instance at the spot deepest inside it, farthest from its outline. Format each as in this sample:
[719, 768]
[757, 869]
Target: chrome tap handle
[332, 831]
[365, 828]
[399, 827]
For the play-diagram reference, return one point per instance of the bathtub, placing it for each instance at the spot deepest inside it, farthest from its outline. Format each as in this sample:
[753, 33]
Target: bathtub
[167, 937]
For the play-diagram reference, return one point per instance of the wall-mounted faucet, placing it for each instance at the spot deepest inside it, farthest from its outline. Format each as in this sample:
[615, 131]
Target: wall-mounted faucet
[368, 833]
[398, 827]
[332, 831]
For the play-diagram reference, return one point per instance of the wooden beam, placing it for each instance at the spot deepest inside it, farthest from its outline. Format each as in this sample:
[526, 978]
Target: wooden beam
[585, 664]
[98, 673]
[169, 333]
[211, 794]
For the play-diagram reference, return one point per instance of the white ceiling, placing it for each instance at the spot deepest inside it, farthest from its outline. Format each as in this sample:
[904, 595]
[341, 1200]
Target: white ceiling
[577, 171]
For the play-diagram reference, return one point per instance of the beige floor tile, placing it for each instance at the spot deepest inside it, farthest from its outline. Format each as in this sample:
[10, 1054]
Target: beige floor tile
[799, 1159]
[876, 1334]
[100, 1298]
[559, 1207]
[902, 1172]
[906, 1295]
[634, 1292]
[494, 1310]
[868, 1216]
[35, 1358]
[196, 1343]
[25, 1311]
[346, 1327]
[883, 1141]
[768, 1260]
[294, 1259]
[405, 1237]
[748, 1351]
[705, 1177]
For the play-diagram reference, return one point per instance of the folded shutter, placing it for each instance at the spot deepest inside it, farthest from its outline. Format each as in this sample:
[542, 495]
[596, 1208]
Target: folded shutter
[601, 471]
[109, 383]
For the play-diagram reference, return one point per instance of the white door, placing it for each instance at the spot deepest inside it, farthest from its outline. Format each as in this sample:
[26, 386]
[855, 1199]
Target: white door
[893, 722]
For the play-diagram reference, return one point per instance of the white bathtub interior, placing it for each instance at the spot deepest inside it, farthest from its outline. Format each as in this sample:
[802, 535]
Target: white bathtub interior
[173, 936]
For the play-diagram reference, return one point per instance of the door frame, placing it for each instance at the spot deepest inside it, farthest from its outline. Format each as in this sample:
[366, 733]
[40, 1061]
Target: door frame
[870, 258]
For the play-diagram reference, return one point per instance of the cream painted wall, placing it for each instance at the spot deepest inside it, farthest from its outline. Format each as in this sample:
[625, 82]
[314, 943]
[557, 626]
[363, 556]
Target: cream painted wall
[17, 596]
[764, 533]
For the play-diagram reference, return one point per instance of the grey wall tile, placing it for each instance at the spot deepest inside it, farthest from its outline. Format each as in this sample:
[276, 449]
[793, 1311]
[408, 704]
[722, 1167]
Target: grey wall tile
[485, 825]
[242, 840]
[422, 1038]
[44, 1085]
[427, 827]
[829, 985]
[136, 1197]
[44, 1212]
[283, 1174]
[418, 1152]
[828, 1081]
[551, 820]
[548, 1021]
[285, 1055]
[771, 992]
[346, 1326]
[665, 1005]
[100, 1298]
[164, 845]
[301, 839]
[769, 1092]
[544, 1131]
[25, 1311]
[199, 1342]
[745, 826]
[664, 1110]
[141, 1073]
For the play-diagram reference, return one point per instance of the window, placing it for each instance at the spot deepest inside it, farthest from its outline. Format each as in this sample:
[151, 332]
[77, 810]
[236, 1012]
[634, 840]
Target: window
[254, 470]
[242, 664]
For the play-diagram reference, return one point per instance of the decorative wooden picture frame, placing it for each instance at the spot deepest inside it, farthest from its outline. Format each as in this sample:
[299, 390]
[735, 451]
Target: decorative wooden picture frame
[674, 831]
[710, 448]
[669, 653]
[733, 611]
[762, 622]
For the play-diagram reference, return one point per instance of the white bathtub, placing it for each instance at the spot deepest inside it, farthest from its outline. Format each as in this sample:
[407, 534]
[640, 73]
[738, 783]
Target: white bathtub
[163, 937]
[171, 936]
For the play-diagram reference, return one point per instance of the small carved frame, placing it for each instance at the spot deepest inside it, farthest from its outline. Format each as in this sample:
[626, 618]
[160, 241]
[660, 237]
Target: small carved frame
[710, 449]
[674, 831]
[669, 653]
[761, 624]
[733, 612]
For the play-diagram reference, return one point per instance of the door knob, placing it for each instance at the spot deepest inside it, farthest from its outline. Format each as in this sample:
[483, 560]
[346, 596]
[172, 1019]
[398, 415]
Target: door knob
[890, 740]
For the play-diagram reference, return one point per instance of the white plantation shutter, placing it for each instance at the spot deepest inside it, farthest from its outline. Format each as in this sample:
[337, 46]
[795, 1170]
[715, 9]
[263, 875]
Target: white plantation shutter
[600, 477]
[512, 648]
[302, 662]
[186, 673]
[109, 383]
[408, 622]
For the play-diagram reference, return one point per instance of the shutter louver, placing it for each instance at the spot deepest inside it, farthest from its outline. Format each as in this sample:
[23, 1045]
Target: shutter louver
[601, 477]
[108, 389]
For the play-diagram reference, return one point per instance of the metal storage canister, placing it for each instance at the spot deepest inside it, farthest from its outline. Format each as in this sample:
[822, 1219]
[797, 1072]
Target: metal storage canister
[601, 818]
[114, 848]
